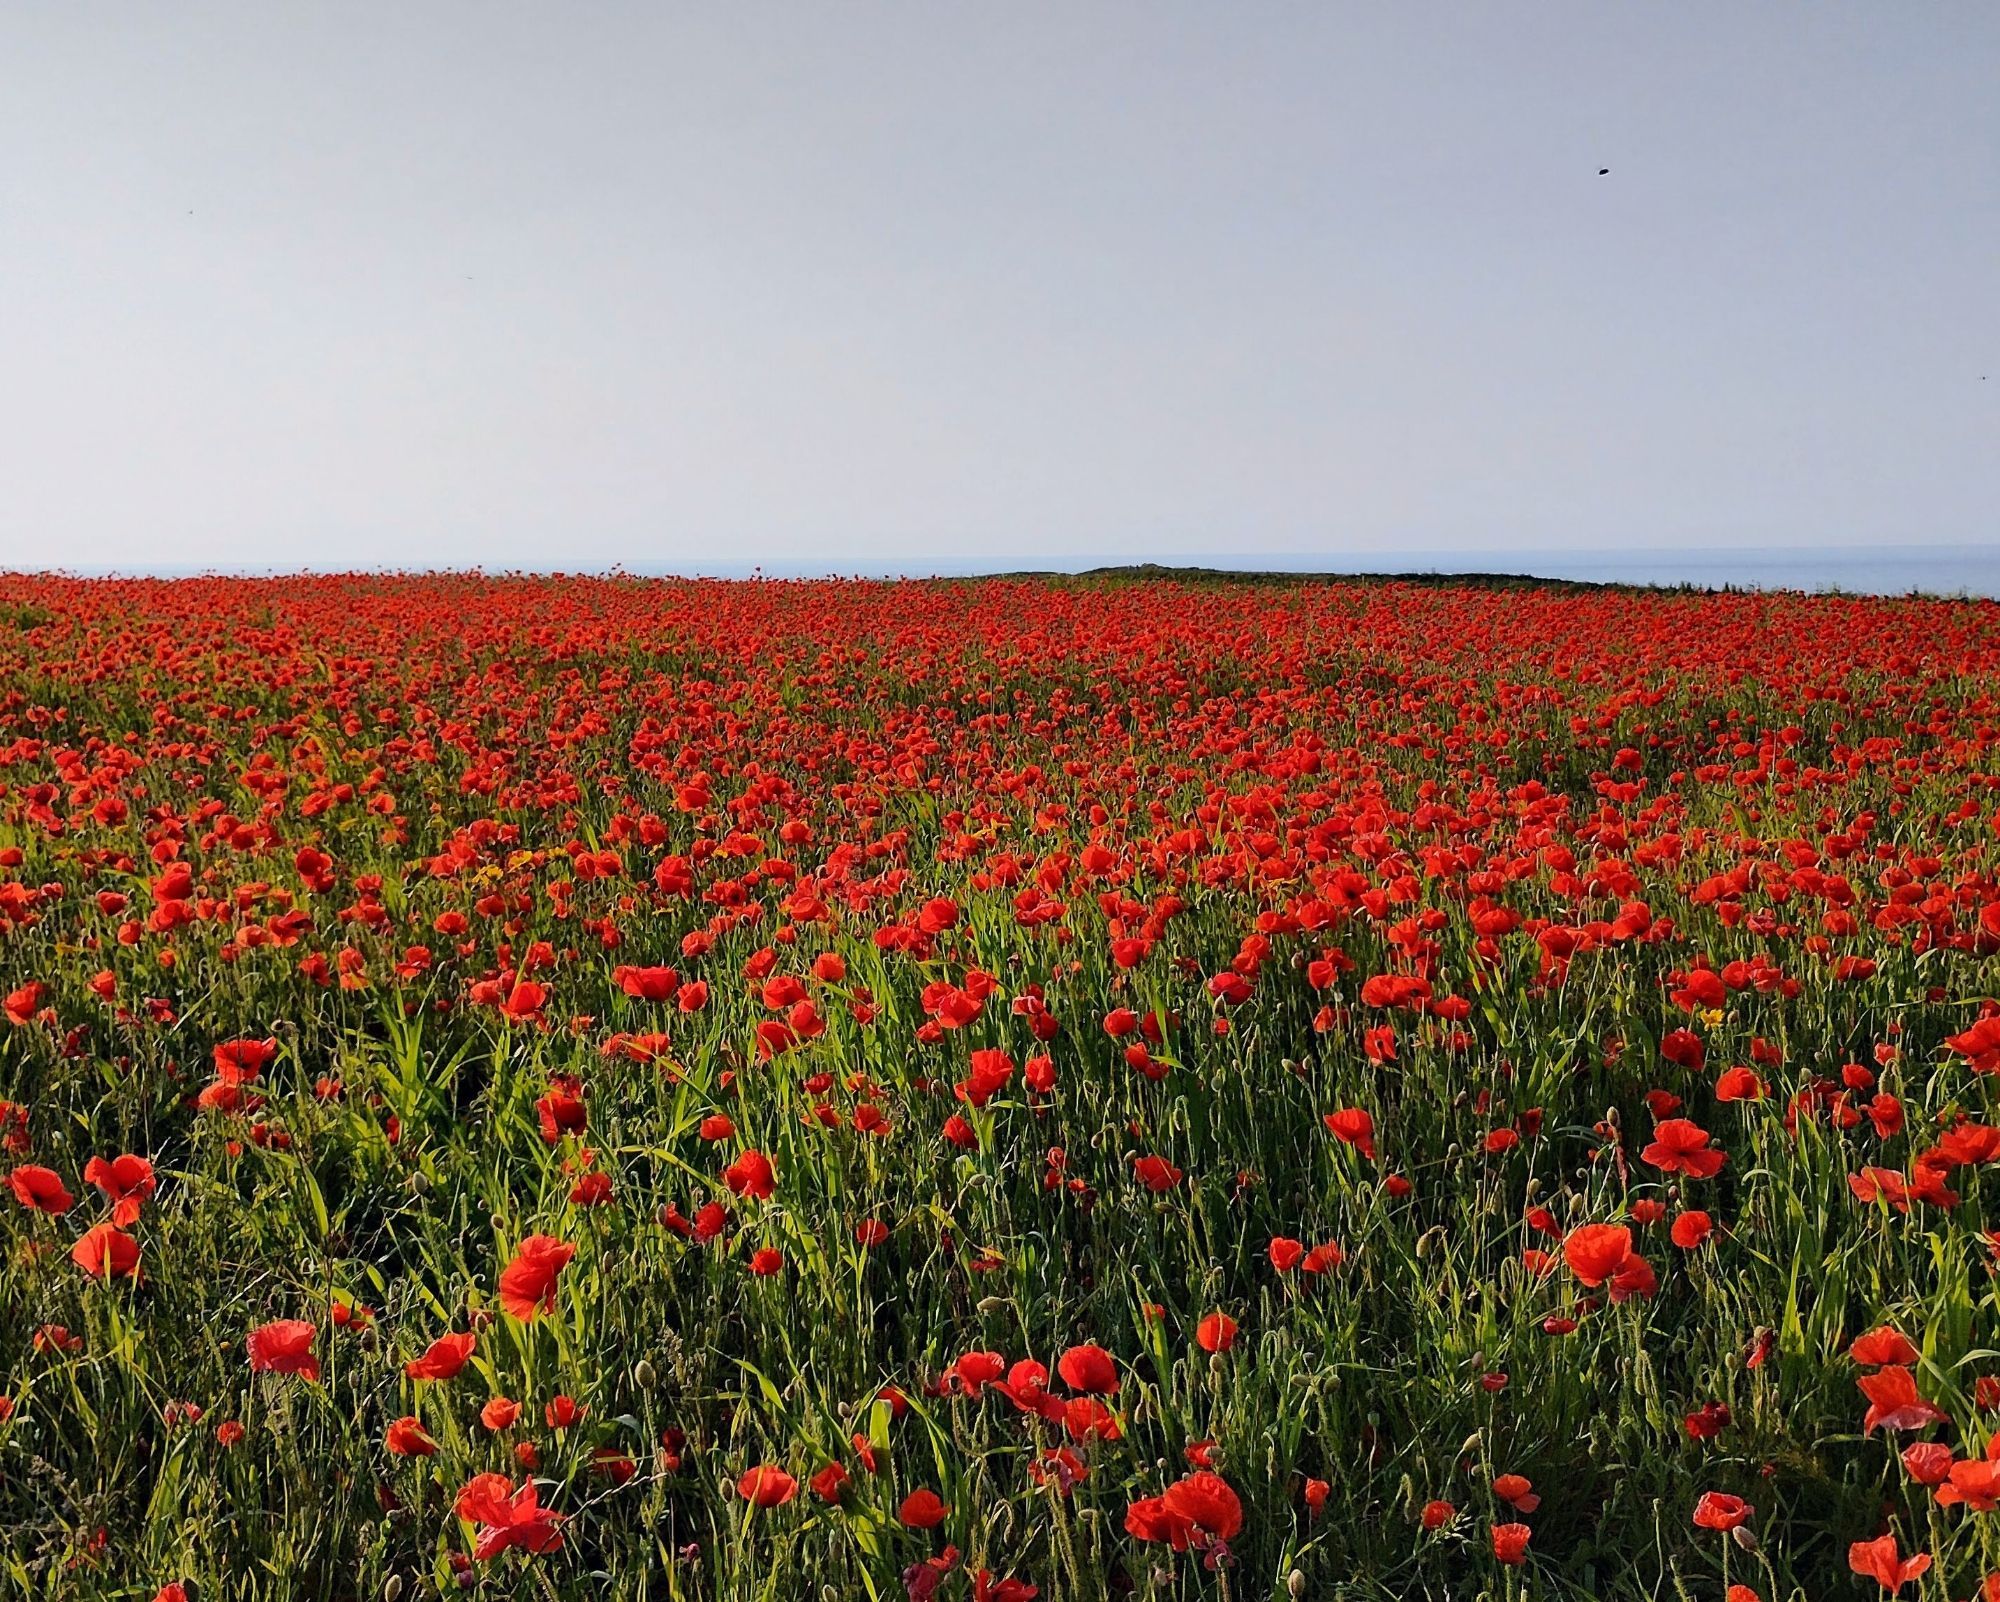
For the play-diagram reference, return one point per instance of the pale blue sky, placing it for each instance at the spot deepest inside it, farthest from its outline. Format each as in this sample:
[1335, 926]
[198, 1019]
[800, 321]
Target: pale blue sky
[567, 286]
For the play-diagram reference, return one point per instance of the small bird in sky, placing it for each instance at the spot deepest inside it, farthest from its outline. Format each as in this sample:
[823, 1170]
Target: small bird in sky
[1603, 172]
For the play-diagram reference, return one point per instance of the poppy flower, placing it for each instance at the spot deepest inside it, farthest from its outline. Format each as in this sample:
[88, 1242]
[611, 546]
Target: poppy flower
[406, 1438]
[238, 1062]
[1510, 1543]
[1974, 1483]
[1090, 1369]
[1437, 1514]
[922, 1510]
[283, 1346]
[126, 1182]
[1199, 1511]
[975, 1370]
[40, 1189]
[528, 1283]
[499, 1413]
[767, 1486]
[1680, 1146]
[1517, 1491]
[751, 1175]
[1738, 1084]
[1595, 1252]
[443, 1358]
[1088, 1419]
[522, 1005]
[1156, 1173]
[828, 1483]
[1880, 1560]
[1216, 1333]
[987, 1588]
[507, 1517]
[1882, 1347]
[1927, 1462]
[21, 1005]
[1354, 1126]
[1719, 1510]
[1893, 1402]
[1691, 1229]
[106, 1252]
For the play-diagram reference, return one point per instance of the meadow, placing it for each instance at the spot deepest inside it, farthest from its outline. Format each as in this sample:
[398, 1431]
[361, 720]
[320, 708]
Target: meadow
[985, 1090]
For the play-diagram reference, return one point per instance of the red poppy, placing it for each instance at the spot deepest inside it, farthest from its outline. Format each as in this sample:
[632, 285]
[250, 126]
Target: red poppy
[106, 1252]
[1880, 1560]
[1090, 1369]
[126, 1181]
[922, 1510]
[767, 1486]
[751, 1175]
[443, 1358]
[1882, 1347]
[283, 1346]
[1354, 1126]
[1216, 1333]
[1893, 1402]
[40, 1189]
[1680, 1146]
[1595, 1252]
[528, 1283]
[406, 1438]
[1199, 1511]
[507, 1517]
[1718, 1510]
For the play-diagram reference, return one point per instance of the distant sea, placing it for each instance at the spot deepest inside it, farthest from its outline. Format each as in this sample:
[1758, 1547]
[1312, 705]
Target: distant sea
[1972, 570]
[1967, 570]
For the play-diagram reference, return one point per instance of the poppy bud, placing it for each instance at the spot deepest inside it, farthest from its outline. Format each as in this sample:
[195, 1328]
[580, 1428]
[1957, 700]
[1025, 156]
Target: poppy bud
[1295, 1584]
[989, 1305]
[643, 1375]
[392, 1588]
[418, 1183]
[1744, 1537]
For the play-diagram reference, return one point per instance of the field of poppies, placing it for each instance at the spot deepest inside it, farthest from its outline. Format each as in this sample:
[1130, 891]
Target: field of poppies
[587, 1088]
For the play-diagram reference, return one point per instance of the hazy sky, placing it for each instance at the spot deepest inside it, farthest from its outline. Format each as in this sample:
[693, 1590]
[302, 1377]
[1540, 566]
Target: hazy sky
[573, 285]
